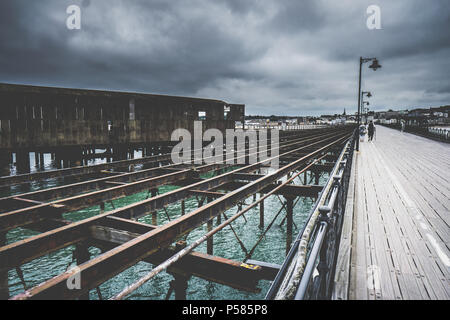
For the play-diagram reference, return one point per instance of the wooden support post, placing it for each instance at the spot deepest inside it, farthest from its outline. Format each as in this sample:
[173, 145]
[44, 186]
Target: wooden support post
[261, 213]
[57, 160]
[120, 152]
[4, 289]
[305, 178]
[154, 192]
[210, 241]
[5, 160]
[36, 159]
[109, 153]
[102, 207]
[75, 155]
[82, 255]
[183, 207]
[200, 201]
[84, 156]
[289, 221]
[219, 219]
[41, 160]
[317, 176]
[180, 286]
[23, 161]
[180, 282]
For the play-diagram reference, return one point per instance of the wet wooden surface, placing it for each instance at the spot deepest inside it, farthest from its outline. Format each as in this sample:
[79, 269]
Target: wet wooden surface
[400, 215]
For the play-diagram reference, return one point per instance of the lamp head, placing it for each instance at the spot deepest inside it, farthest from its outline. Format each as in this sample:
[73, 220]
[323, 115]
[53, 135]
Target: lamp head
[375, 65]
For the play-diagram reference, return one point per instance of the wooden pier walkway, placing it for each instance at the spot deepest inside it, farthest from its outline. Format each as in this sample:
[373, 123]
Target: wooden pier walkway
[396, 235]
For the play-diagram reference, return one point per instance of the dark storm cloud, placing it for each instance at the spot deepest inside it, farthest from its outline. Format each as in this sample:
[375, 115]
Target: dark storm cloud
[277, 57]
[118, 48]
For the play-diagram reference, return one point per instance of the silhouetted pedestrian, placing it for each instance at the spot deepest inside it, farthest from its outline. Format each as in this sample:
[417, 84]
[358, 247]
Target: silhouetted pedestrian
[402, 122]
[371, 130]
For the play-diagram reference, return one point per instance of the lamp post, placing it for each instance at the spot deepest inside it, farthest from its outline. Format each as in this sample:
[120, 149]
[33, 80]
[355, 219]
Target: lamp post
[365, 110]
[374, 66]
[368, 95]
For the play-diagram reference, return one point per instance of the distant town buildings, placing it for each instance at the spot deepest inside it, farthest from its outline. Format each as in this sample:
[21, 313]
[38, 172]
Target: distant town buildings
[418, 117]
[435, 116]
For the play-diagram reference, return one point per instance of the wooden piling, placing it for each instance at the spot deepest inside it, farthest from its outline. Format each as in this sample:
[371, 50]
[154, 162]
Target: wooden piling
[180, 282]
[5, 160]
[154, 192]
[261, 213]
[82, 255]
[210, 241]
[316, 176]
[41, 160]
[219, 219]
[36, 159]
[23, 161]
[289, 221]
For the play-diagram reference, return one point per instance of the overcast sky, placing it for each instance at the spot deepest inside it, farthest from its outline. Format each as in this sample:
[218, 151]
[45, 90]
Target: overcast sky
[277, 57]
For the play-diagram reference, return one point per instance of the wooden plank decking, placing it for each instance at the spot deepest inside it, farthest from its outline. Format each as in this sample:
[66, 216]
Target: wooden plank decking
[396, 235]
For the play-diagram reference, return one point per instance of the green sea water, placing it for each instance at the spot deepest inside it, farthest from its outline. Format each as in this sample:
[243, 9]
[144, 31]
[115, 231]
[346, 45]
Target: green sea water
[271, 249]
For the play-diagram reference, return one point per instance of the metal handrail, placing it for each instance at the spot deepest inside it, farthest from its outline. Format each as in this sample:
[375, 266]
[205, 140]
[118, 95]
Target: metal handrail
[324, 239]
[308, 273]
[326, 243]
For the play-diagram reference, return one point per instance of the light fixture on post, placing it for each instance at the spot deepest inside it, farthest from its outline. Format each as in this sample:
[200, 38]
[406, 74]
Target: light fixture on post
[368, 95]
[366, 109]
[374, 66]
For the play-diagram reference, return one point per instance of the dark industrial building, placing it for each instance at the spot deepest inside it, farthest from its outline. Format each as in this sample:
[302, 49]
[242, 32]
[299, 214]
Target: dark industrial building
[71, 123]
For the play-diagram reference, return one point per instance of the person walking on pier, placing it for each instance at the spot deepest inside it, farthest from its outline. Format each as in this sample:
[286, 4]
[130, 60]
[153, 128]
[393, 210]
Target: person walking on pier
[371, 130]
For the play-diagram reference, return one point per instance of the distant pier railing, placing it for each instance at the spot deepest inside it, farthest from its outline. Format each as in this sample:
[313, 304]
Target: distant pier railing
[443, 133]
[433, 132]
[308, 270]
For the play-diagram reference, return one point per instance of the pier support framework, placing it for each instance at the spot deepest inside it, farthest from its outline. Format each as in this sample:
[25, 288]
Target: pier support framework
[126, 241]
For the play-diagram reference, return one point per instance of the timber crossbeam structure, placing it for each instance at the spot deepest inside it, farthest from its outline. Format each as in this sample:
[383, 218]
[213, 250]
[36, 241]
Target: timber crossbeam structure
[125, 241]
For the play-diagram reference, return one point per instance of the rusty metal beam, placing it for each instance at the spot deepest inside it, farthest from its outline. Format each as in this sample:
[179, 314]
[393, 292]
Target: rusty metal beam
[327, 167]
[37, 213]
[242, 276]
[7, 181]
[213, 194]
[238, 275]
[102, 268]
[51, 194]
[288, 190]
[17, 253]
[22, 217]
[25, 178]
[248, 176]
